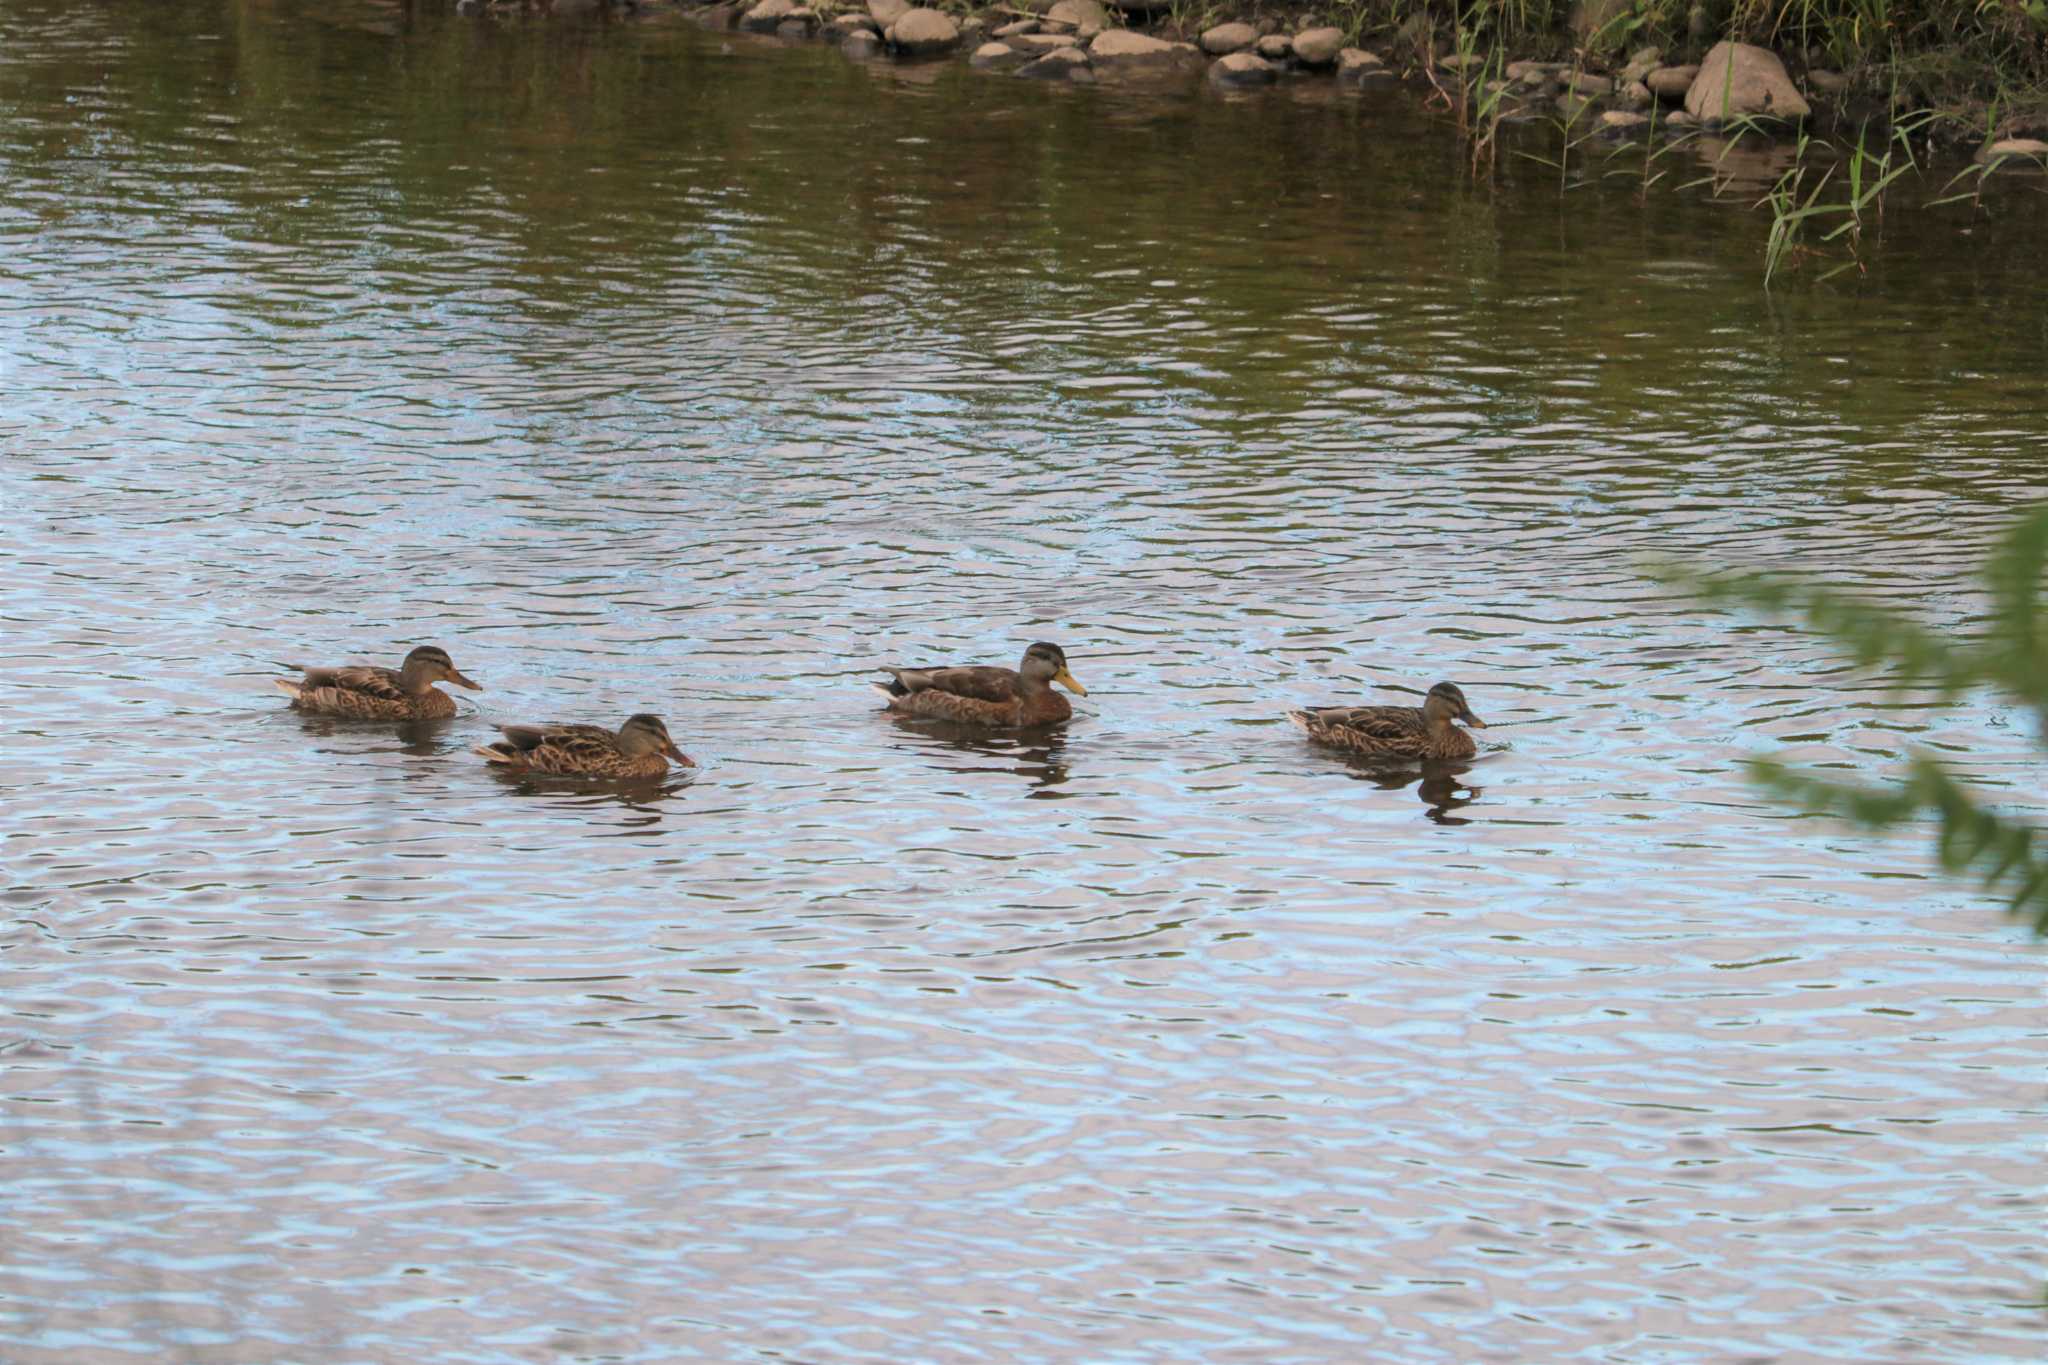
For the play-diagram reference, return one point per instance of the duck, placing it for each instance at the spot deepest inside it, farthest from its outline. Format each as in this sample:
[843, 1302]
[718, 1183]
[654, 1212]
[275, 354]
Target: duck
[364, 692]
[986, 695]
[1423, 731]
[639, 748]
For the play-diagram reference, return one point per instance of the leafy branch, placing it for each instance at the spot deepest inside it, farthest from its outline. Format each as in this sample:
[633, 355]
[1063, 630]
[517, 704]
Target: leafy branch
[2011, 658]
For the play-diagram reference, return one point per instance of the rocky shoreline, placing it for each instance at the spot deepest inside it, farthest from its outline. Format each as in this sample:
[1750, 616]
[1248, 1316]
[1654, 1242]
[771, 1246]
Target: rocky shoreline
[1088, 41]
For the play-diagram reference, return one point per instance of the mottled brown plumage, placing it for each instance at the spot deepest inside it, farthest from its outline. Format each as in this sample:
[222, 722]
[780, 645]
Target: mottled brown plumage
[639, 748]
[982, 694]
[363, 692]
[1424, 731]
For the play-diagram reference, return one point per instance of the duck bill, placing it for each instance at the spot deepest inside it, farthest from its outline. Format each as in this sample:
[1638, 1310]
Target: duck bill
[464, 680]
[1472, 721]
[682, 759]
[1066, 680]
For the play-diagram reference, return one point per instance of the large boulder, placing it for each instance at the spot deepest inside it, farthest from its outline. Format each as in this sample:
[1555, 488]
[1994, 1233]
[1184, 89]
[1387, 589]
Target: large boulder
[1121, 47]
[1275, 47]
[1079, 13]
[920, 32]
[1318, 46]
[767, 16]
[995, 55]
[1356, 66]
[1062, 64]
[1737, 79]
[1671, 82]
[1225, 39]
[1241, 68]
[2021, 149]
[887, 12]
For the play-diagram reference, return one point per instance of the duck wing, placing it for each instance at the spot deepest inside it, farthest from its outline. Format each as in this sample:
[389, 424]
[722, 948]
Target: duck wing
[587, 740]
[980, 682]
[381, 683]
[1373, 722]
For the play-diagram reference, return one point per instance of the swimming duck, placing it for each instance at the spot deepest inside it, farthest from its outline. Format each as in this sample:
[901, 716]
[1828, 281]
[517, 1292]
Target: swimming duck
[1423, 731]
[982, 694]
[640, 748]
[362, 692]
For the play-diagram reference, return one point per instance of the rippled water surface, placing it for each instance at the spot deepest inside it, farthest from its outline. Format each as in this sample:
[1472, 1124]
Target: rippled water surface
[646, 367]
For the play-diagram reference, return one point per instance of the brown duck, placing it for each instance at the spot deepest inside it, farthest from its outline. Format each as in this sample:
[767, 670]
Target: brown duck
[639, 748]
[1423, 731]
[362, 692]
[982, 694]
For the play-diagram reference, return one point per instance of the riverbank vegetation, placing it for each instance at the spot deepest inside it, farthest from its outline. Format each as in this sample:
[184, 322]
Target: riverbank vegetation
[1980, 65]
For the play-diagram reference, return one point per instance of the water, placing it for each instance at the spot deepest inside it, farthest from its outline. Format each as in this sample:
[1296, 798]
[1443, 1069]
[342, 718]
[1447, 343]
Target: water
[650, 368]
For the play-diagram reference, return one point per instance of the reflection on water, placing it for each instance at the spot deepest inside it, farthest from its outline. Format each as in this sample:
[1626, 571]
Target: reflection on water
[1037, 754]
[652, 369]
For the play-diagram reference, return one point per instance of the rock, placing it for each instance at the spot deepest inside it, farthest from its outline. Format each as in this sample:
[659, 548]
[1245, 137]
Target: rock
[1079, 13]
[1318, 46]
[2014, 149]
[1531, 73]
[767, 16]
[1828, 82]
[1620, 123]
[1636, 95]
[1012, 30]
[1275, 47]
[1355, 66]
[1671, 82]
[1737, 79]
[796, 30]
[862, 45]
[995, 55]
[1532, 80]
[1241, 68]
[1641, 63]
[1225, 39]
[887, 12]
[1678, 118]
[1121, 47]
[972, 25]
[1586, 83]
[1060, 64]
[1574, 106]
[923, 31]
[843, 24]
[1458, 61]
[1041, 43]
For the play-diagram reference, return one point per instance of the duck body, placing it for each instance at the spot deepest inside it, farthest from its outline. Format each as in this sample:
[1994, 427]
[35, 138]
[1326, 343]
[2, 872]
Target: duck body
[365, 692]
[1406, 732]
[985, 695]
[639, 748]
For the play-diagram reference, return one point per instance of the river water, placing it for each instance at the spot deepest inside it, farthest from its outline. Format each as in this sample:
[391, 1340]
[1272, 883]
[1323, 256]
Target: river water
[651, 368]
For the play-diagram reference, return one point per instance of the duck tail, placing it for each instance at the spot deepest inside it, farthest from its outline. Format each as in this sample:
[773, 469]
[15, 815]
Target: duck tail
[1300, 720]
[288, 687]
[497, 753]
[891, 689]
